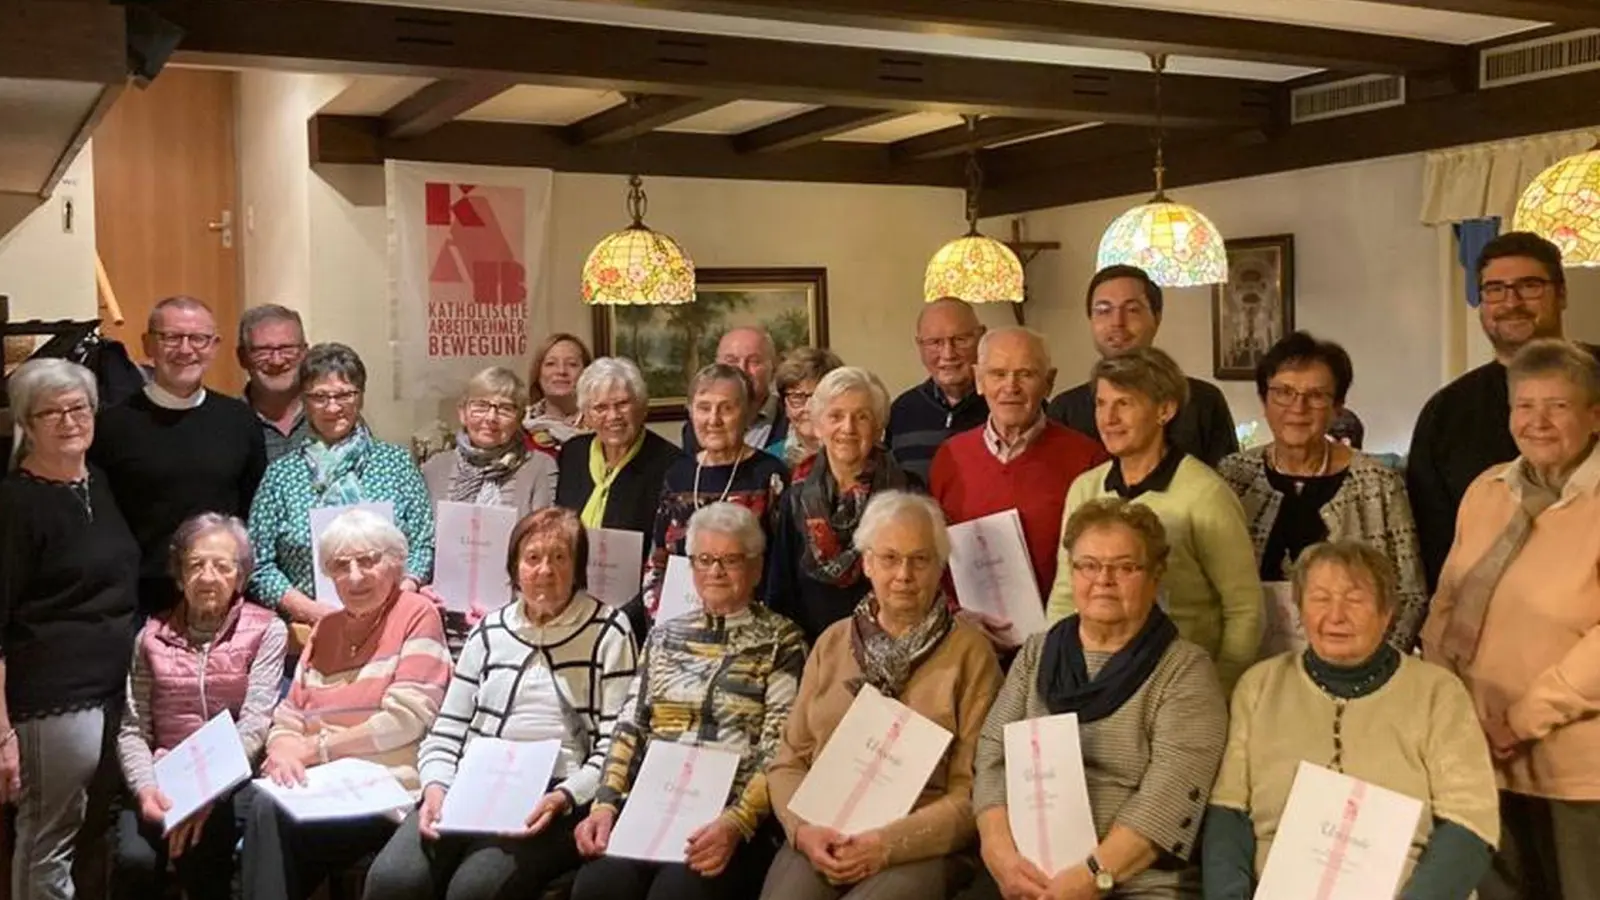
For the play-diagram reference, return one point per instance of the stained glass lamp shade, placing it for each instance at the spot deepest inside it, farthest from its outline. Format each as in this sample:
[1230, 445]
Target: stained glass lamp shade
[1563, 206]
[976, 269]
[637, 266]
[1175, 244]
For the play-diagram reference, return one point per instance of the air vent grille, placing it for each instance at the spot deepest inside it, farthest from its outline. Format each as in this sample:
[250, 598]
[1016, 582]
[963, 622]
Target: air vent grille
[1348, 97]
[1562, 54]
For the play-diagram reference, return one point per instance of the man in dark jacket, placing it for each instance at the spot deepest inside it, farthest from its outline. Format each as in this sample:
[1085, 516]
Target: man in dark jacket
[948, 402]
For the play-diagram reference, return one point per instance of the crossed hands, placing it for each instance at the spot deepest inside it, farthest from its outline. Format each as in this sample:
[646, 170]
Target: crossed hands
[842, 859]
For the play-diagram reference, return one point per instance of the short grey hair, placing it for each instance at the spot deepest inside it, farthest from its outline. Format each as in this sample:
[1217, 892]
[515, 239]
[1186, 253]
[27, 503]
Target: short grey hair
[1553, 356]
[267, 312]
[196, 527]
[330, 359]
[1147, 371]
[1036, 343]
[497, 381]
[842, 381]
[179, 301]
[36, 380]
[716, 372]
[1355, 557]
[730, 519]
[608, 372]
[361, 530]
[891, 506]
[768, 345]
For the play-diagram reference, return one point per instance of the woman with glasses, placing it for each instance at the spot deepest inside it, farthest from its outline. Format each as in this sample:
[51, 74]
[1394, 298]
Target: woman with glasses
[69, 570]
[554, 416]
[342, 465]
[1303, 488]
[795, 381]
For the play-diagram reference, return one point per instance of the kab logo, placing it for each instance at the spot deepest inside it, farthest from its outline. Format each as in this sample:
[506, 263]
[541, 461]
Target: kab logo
[468, 241]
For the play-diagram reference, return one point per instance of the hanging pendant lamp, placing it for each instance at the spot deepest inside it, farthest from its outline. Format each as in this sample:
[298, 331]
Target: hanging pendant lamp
[637, 265]
[973, 267]
[1176, 245]
[1563, 207]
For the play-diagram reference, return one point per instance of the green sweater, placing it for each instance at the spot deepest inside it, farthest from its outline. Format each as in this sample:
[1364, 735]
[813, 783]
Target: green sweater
[1212, 589]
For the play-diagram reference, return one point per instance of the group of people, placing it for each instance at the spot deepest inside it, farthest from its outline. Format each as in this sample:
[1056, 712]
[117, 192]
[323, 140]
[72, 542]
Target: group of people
[1216, 616]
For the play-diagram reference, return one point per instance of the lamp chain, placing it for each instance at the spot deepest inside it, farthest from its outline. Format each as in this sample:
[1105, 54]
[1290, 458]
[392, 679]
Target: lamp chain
[638, 203]
[974, 176]
[1158, 62]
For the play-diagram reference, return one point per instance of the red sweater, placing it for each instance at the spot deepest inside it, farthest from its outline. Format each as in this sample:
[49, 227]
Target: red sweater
[970, 483]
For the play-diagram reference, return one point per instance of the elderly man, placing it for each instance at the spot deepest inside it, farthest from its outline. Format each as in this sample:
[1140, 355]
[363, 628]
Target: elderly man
[752, 351]
[1465, 428]
[1019, 459]
[924, 417]
[272, 341]
[175, 449]
[1124, 308]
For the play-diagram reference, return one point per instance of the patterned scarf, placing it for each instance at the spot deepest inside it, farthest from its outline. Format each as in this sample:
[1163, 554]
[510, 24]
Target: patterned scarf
[594, 509]
[480, 472]
[887, 661]
[336, 469]
[830, 516]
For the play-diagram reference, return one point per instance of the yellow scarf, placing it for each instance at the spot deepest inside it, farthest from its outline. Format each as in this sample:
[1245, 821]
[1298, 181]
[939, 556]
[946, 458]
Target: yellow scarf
[595, 509]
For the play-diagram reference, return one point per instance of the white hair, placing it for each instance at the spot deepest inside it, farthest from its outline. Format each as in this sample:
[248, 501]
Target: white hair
[1036, 343]
[361, 531]
[893, 506]
[608, 372]
[36, 380]
[842, 381]
[730, 519]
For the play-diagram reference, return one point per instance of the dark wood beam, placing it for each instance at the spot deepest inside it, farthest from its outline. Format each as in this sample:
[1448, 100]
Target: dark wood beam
[328, 36]
[62, 40]
[641, 115]
[1577, 13]
[355, 140]
[1095, 25]
[1555, 104]
[810, 127]
[439, 103]
[958, 139]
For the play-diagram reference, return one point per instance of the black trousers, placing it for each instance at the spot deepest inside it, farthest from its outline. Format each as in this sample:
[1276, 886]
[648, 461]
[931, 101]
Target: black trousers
[472, 867]
[205, 870]
[288, 860]
[614, 878]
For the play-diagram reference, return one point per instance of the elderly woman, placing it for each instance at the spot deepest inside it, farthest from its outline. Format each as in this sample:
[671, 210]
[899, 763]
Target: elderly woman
[814, 572]
[67, 595]
[795, 381]
[902, 640]
[723, 469]
[1304, 488]
[554, 416]
[1353, 703]
[554, 665]
[368, 686]
[1213, 592]
[1517, 616]
[724, 677]
[213, 652]
[342, 464]
[1151, 719]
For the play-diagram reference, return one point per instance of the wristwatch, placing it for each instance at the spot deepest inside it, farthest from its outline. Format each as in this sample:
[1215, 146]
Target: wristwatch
[1104, 881]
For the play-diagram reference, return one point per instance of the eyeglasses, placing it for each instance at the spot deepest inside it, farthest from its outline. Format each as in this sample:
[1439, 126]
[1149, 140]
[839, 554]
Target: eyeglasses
[964, 341]
[172, 340]
[705, 562]
[226, 568]
[1286, 397]
[919, 562]
[324, 399]
[78, 412]
[617, 408]
[1092, 568]
[268, 351]
[1495, 293]
[1106, 309]
[797, 399]
[364, 562]
[482, 409]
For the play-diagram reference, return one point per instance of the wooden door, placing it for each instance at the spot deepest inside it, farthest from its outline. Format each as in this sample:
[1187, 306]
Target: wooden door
[164, 184]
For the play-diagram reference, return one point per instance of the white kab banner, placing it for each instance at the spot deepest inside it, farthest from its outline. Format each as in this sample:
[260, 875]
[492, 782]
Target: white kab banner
[465, 245]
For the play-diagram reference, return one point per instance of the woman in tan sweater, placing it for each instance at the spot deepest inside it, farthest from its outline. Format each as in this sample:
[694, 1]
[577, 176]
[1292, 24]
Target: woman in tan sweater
[904, 642]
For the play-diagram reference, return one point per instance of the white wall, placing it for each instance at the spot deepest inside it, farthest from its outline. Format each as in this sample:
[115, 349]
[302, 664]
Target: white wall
[49, 273]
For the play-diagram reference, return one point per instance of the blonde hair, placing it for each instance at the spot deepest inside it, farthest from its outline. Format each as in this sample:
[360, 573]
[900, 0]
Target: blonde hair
[497, 381]
[1146, 370]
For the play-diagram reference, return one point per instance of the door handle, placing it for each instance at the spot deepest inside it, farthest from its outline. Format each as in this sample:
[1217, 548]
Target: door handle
[224, 224]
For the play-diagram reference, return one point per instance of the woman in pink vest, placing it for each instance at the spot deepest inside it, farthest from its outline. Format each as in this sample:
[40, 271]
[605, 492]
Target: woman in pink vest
[213, 652]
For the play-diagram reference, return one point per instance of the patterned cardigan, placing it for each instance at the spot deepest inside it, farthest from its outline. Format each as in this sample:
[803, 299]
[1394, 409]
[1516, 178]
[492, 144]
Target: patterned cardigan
[1371, 506]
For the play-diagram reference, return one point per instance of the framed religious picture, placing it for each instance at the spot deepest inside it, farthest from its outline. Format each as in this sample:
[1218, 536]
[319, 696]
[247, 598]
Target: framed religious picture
[671, 343]
[1254, 309]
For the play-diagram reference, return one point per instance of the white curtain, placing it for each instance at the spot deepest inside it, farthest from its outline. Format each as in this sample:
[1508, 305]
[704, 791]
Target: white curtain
[1487, 179]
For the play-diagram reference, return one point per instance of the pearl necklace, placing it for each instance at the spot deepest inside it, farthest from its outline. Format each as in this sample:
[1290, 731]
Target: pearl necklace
[1299, 482]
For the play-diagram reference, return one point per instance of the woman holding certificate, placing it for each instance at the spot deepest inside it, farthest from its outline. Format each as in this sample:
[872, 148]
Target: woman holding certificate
[1151, 722]
[1517, 616]
[1354, 704]
[903, 641]
[814, 571]
[552, 666]
[722, 679]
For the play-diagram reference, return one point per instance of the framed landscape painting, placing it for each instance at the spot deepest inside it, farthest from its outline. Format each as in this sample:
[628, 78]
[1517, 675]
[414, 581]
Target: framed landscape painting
[671, 343]
[1255, 308]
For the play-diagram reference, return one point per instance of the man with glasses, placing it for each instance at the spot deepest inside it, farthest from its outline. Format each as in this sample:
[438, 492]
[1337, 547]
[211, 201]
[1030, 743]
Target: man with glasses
[272, 341]
[1124, 308]
[922, 418]
[175, 449]
[1465, 427]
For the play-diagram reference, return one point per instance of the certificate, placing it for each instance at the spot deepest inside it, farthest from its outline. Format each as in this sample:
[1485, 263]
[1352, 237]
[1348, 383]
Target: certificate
[678, 596]
[993, 574]
[497, 785]
[206, 765]
[1339, 839]
[346, 788]
[1047, 796]
[320, 518]
[679, 788]
[469, 555]
[616, 565]
[873, 768]
[1283, 630]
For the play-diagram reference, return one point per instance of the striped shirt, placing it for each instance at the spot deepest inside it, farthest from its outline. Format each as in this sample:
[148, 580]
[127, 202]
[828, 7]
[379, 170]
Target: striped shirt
[376, 699]
[586, 654]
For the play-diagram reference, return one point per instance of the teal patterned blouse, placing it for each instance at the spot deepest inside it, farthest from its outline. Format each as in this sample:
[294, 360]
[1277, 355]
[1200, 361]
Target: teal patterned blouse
[280, 518]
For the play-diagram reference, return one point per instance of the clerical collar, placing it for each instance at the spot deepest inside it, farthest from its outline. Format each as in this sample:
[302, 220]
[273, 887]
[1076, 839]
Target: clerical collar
[165, 399]
[1158, 480]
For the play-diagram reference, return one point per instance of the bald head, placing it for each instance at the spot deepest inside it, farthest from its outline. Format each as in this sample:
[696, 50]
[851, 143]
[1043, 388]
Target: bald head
[752, 350]
[947, 340]
[1015, 375]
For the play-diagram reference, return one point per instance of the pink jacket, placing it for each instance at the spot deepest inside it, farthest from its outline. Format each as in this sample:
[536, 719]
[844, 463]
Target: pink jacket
[189, 684]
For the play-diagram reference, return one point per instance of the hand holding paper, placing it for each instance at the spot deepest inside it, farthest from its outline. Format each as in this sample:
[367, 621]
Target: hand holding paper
[497, 786]
[679, 788]
[1339, 839]
[203, 767]
[993, 574]
[1047, 794]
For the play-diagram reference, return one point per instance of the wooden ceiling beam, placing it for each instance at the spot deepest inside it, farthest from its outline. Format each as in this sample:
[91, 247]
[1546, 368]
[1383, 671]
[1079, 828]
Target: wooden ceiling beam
[1079, 24]
[810, 127]
[958, 139]
[366, 38]
[1575, 13]
[440, 102]
[640, 115]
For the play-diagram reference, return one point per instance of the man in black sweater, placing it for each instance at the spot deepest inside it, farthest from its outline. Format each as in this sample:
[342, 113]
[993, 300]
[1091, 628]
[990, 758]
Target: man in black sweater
[176, 449]
[1124, 308]
[925, 416]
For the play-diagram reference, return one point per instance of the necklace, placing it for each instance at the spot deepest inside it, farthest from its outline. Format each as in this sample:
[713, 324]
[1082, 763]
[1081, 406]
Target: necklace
[1300, 481]
[80, 492]
[377, 619]
[725, 488]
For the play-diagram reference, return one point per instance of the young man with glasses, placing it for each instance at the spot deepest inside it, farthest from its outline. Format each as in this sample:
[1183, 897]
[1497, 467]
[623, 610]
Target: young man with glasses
[176, 449]
[948, 403]
[272, 341]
